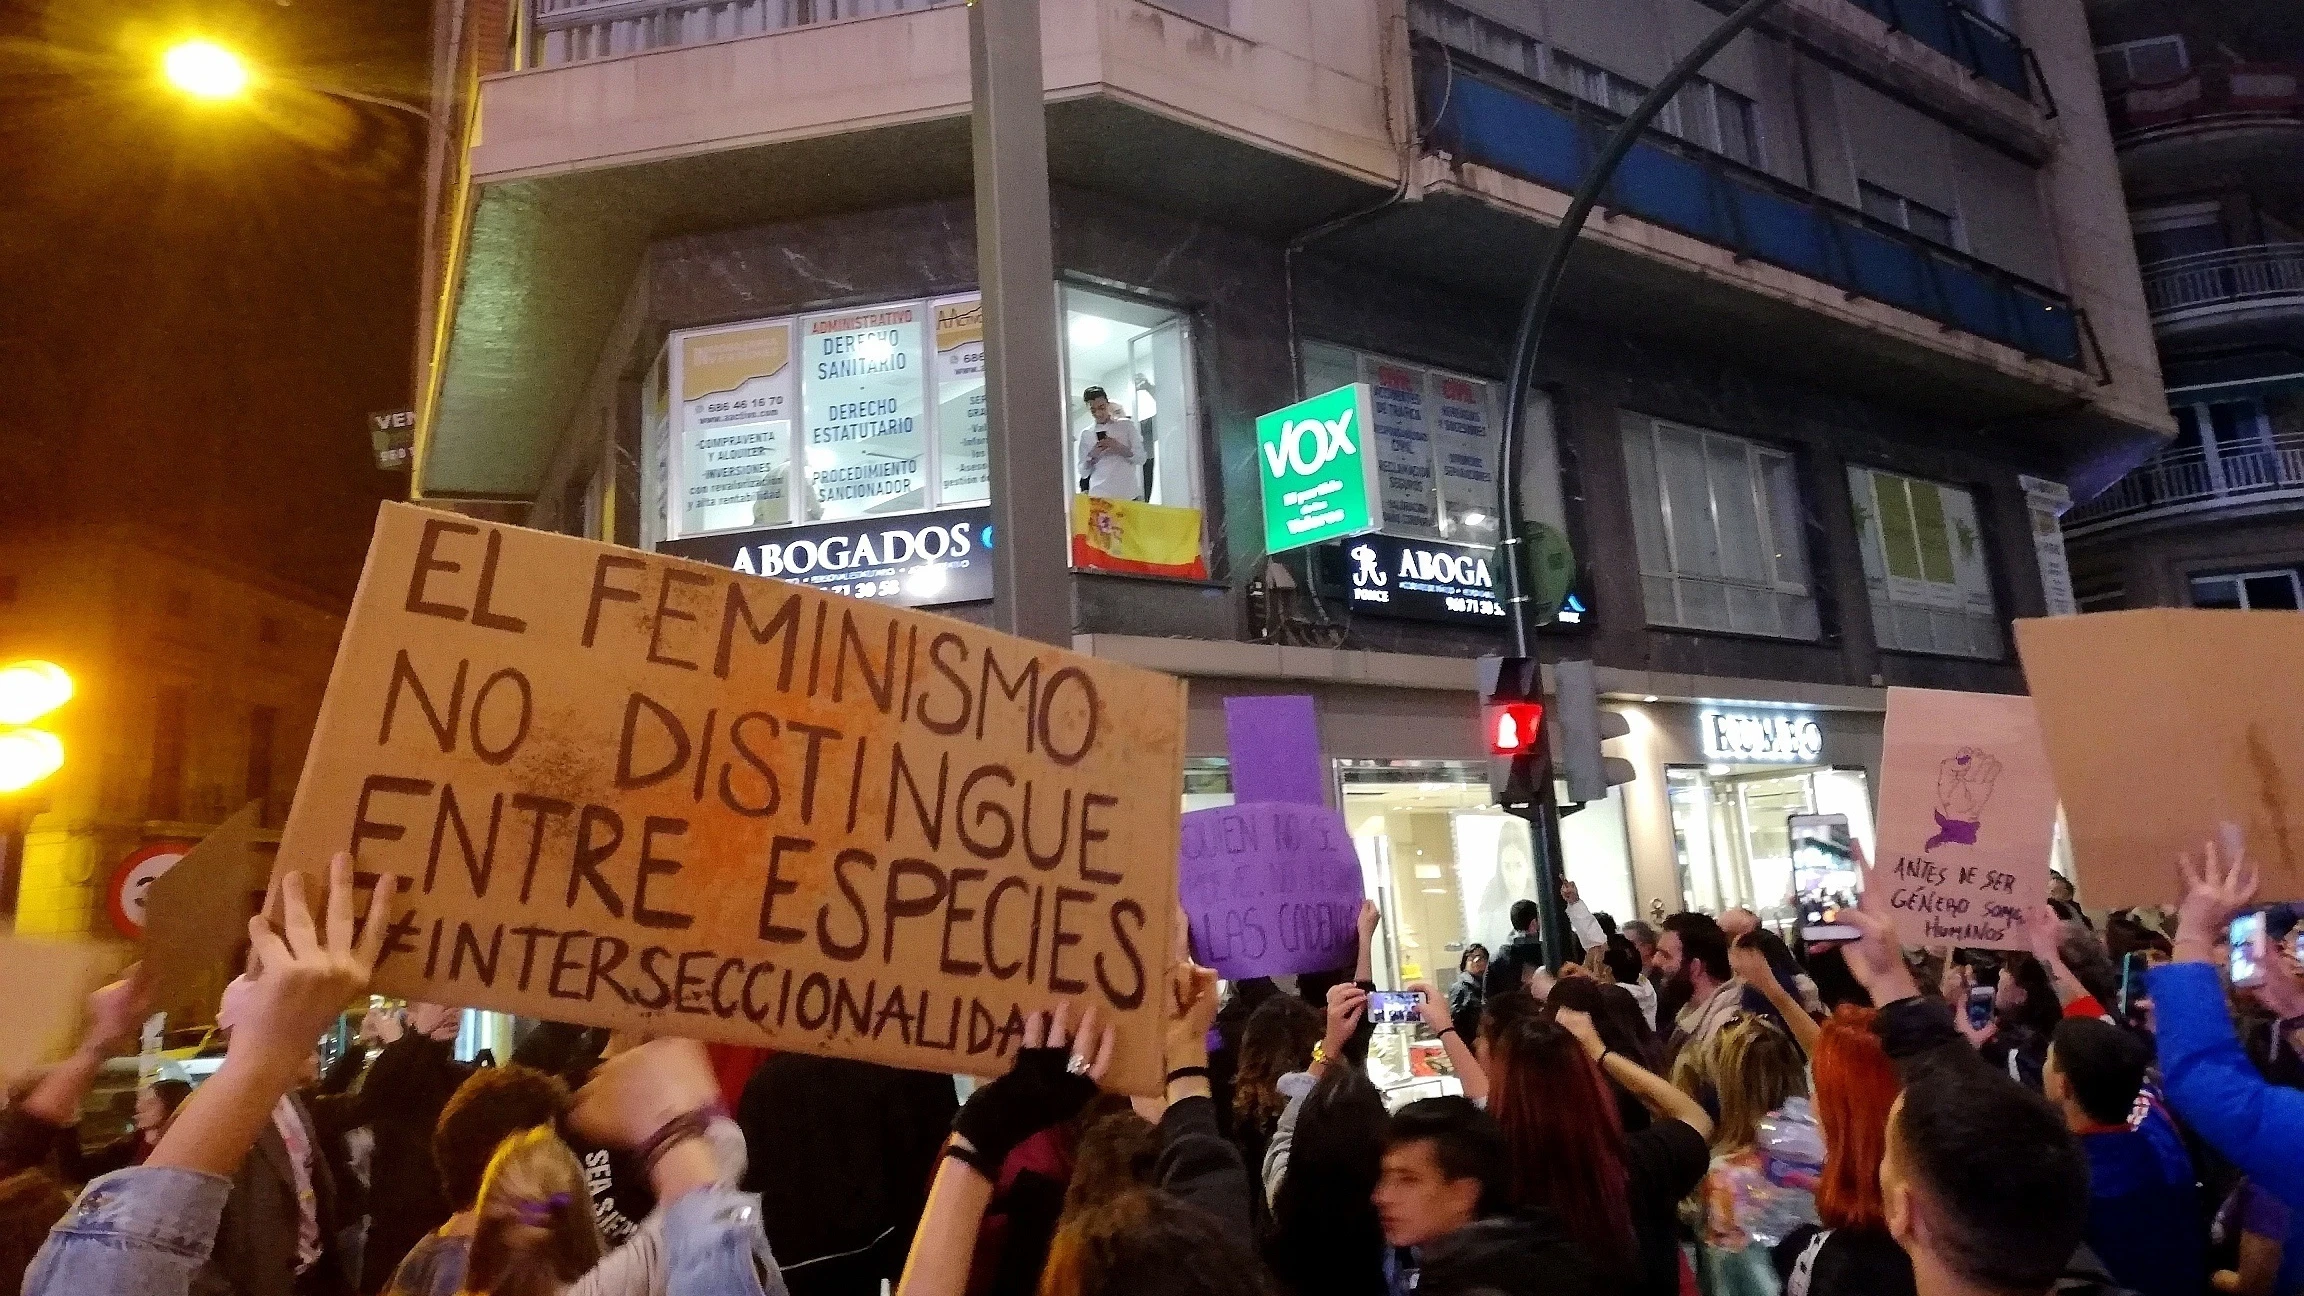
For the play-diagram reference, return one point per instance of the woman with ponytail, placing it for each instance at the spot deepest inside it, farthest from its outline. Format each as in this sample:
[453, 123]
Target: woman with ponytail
[535, 1235]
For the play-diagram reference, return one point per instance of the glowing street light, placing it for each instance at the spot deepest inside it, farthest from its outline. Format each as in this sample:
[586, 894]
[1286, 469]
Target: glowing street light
[28, 756]
[32, 689]
[205, 70]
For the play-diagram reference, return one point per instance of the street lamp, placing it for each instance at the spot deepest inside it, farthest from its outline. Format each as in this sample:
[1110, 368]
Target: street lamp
[28, 755]
[207, 70]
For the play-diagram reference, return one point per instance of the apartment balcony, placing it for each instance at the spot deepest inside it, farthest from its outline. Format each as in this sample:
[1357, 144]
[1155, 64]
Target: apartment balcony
[1985, 48]
[2216, 118]
[1519, 126]
[2234, 297]
[2257, 477]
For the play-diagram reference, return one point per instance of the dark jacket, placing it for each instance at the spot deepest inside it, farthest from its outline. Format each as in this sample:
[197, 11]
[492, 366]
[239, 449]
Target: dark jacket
[255, 1252]
[1510, 1255]
[1511, 961]
[31, 1201]
[1198, 1165]
[842, 1153]
[400, 1102]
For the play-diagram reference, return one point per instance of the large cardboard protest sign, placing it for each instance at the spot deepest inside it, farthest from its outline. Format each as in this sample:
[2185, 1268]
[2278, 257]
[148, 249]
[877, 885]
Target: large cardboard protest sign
[1967, 817]
[1270, 889]
[2164, 724]
[632, 791]
[196, 916]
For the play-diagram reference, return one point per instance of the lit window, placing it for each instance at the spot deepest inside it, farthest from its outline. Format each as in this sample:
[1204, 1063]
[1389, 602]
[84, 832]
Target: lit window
[866, 412]
[1925, 566]
[1131, 360]
[1437, 440]
[1717, 522]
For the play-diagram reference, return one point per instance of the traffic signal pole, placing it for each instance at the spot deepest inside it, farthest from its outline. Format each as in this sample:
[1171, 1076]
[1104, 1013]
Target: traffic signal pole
[1541, 810]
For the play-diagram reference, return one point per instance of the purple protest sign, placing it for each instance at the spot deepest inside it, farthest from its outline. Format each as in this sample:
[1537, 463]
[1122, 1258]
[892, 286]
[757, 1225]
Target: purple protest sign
[1270, 889]
[1274, 743]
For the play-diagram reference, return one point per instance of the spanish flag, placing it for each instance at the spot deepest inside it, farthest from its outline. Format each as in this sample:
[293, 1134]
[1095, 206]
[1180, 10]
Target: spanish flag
[1142, 539]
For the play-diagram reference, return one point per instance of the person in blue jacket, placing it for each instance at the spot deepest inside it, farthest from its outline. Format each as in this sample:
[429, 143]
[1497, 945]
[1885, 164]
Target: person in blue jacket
[2144, 1219]
[2255, 1124]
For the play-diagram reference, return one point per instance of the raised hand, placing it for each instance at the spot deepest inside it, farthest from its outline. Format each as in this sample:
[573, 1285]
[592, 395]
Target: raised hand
[1579, 1024]
[1054, 1076]
[1876, 956]
[2218, 883]
[116, 1012]
[300, 977]
[1347, 1004]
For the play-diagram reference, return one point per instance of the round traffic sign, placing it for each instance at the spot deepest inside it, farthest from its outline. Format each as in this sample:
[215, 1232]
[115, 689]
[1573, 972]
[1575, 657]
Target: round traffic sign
[133, 880]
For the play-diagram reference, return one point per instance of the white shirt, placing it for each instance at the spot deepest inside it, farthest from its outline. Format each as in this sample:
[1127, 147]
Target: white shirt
[1112, 474]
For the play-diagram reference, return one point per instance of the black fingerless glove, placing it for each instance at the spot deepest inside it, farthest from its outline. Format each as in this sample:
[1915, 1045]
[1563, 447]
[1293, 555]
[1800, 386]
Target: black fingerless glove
[1039, 1092]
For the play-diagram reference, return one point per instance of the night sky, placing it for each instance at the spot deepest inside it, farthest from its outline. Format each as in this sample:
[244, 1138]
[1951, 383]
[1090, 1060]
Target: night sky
[201, 303]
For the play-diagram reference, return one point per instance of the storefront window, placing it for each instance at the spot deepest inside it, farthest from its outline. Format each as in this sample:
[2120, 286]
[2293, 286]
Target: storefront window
[1731, 830]
[1445, 865]
[838, 415]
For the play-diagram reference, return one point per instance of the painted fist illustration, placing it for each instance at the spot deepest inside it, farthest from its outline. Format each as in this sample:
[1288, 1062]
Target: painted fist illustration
[1964, 783]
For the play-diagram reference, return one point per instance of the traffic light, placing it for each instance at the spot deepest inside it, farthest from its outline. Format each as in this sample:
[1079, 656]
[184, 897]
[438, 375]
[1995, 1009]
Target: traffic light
[1512, 724]
[1583, 728]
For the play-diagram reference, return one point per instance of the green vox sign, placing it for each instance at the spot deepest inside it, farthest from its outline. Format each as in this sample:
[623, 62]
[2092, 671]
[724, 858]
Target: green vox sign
[1319, 471]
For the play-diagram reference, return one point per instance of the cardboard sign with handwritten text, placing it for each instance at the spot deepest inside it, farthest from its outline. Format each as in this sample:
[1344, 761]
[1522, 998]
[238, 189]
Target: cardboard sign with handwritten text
[1271, 889]
[632, 791]
[2164, 724]
[1967, 816]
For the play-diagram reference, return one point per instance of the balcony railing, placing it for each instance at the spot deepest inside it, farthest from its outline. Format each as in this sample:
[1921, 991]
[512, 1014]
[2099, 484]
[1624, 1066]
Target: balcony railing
[2238, 91]
[2185, 481]
[2229, 277]
[1478, 111]
[1951, 28]
[569, 31]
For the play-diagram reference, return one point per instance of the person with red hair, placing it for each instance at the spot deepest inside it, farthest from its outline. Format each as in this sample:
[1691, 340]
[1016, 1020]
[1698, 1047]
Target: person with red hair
[1570, 1156]
[1851, 1251]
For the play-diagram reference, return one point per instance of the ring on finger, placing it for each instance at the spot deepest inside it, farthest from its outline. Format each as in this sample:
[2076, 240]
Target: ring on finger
[1077, 1066]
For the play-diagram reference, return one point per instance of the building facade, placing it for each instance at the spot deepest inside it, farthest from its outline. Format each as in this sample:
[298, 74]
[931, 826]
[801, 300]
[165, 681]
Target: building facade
[2206, 101]
[196, 685]
[703, 279]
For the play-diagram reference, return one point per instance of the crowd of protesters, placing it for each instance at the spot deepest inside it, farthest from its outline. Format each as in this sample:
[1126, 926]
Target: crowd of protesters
[1698, 1106]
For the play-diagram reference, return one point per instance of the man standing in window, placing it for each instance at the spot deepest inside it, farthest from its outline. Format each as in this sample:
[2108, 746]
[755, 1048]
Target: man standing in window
[1108, 462]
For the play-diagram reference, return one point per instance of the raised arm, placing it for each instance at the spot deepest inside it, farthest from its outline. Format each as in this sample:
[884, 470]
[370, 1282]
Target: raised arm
[1751, 966]
[1054, 1076]
[1442, 1022]
[1364, 970]
[1654, 1092]
[149, 1228]
[2257, 1125]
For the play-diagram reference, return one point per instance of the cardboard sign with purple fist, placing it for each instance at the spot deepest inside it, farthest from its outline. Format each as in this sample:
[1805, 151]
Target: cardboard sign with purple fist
[1270, 889]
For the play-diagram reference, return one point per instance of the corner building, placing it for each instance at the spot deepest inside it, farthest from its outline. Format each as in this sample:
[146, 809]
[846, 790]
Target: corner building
[702, 278]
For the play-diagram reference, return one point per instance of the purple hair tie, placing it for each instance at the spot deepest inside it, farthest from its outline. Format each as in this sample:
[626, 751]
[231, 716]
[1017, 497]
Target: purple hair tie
[539, 1214]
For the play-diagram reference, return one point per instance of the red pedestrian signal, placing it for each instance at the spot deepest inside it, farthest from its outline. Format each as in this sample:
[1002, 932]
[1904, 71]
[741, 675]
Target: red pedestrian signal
[1515, 728]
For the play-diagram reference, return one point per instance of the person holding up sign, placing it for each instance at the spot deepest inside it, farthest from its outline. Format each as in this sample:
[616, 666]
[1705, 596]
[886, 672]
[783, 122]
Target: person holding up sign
[147, 1230]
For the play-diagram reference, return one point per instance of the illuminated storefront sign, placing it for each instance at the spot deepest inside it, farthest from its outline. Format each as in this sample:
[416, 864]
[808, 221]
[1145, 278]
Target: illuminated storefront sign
[1761, 737]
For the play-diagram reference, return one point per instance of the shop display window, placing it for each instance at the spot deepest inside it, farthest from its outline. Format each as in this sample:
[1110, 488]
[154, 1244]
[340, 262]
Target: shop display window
[1446, 866]
[1731, 832]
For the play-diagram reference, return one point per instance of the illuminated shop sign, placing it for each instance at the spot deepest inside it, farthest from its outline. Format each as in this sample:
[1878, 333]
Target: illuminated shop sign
[1761, 737]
